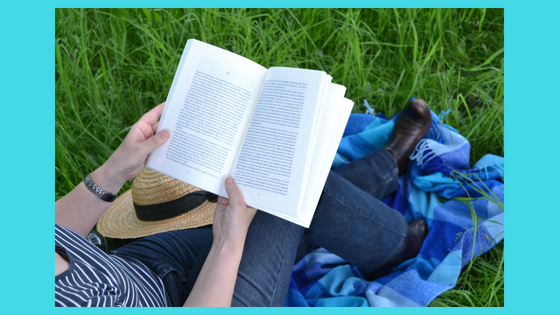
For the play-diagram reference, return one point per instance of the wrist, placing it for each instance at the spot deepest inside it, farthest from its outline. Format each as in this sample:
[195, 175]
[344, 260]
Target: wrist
[229, 243]
[108, 179]
[228, 250]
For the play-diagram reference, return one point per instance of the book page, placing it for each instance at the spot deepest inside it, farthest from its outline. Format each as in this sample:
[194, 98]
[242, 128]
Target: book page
[334, 133]
[271, 162]
[323, 140]
[311, 159]
[207, 111]
[330, 135]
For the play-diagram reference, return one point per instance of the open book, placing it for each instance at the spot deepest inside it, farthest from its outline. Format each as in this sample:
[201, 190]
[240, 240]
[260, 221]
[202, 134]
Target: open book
[274, 131]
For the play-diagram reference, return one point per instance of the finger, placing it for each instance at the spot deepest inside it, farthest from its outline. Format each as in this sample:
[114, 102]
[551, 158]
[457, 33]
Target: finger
[155, 141]
[154, 127]
[235, 197]
[223, 201]
[145, 129]
[153, 115]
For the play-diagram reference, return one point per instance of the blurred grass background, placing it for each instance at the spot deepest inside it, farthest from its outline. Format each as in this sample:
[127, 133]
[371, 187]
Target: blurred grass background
[113, 65]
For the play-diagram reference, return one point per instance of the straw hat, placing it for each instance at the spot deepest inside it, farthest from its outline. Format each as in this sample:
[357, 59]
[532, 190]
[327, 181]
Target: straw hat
[163, 204]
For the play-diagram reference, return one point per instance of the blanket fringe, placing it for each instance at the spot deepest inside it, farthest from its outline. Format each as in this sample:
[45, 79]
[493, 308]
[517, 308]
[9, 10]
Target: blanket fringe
[369, 110]
[429, 161]
[426, 158]
[482, 172]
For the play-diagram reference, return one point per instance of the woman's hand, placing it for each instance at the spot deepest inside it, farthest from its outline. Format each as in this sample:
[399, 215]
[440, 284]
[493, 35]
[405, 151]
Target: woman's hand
[232, 217]
[80, 209]
[130, 158]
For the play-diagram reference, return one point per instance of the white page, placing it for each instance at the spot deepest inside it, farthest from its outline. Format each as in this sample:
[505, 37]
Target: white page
[272, 158]
[315, 130]
[207, 122]
[343, 111]
[329, 119]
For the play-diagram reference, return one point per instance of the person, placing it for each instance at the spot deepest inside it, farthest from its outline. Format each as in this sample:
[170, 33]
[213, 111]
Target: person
[246, 257]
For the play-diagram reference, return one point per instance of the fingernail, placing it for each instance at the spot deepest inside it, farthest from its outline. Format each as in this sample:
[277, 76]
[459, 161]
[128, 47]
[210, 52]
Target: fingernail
[229, 181]
[164, 134]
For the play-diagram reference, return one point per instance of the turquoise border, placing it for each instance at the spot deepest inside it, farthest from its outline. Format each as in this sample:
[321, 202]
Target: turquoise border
[285, 4]
[28, 157]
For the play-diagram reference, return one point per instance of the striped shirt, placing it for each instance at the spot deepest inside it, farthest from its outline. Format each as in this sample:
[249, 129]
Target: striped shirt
[97, 279]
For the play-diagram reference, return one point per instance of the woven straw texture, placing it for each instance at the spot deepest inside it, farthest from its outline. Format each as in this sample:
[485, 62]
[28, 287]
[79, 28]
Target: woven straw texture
[149, 188]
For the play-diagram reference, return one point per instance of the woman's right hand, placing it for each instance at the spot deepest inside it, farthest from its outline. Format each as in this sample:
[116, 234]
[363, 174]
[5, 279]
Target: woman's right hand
[80, 209]
[130, 157]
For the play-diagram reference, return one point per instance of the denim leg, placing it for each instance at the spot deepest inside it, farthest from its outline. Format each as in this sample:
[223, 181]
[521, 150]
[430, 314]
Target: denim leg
[349, 221]
[264, 272]
[172, 256]
[266, 265]
[375, 173]
[356, 226]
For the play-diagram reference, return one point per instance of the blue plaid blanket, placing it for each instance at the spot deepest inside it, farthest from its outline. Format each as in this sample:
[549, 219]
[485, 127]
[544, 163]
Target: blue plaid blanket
[462, 205]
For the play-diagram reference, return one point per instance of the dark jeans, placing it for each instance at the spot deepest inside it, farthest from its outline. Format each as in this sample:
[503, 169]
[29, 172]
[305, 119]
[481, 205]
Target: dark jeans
[350, 221]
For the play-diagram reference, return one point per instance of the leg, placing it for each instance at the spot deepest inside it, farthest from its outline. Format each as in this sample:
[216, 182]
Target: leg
[264, 273]
[375, 174]
[173, 256]
[351, 222]
[356, 226]
[349, 230]
[267, 262]
[348, 222]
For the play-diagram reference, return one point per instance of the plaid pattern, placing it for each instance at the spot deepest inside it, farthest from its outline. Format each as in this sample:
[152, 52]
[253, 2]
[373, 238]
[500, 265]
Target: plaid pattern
[439, 170]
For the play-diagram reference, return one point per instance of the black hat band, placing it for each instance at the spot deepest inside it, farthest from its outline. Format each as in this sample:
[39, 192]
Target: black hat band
[173, 208]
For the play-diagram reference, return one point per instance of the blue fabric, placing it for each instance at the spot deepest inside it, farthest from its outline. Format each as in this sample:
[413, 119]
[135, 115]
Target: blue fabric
[440, 187]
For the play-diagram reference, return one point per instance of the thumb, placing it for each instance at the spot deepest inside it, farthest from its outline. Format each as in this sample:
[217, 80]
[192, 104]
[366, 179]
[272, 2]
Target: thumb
[234, 194]
[157, 140]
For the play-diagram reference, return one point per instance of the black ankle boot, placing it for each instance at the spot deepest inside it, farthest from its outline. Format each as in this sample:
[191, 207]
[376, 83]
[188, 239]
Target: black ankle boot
[412, 125]
[416, 233]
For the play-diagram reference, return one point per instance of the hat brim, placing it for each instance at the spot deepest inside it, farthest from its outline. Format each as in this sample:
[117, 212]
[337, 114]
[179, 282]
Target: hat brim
[120, 220]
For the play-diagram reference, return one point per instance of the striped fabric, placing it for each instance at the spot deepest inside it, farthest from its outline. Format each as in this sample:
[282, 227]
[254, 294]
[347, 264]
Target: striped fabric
[97, 279]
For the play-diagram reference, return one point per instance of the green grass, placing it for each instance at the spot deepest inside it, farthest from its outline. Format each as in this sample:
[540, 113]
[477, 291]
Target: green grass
[114, 65]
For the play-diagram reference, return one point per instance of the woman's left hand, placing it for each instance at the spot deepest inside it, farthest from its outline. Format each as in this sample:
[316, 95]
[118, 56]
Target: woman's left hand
[216, 281]
[232, 216]
[130, 158]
